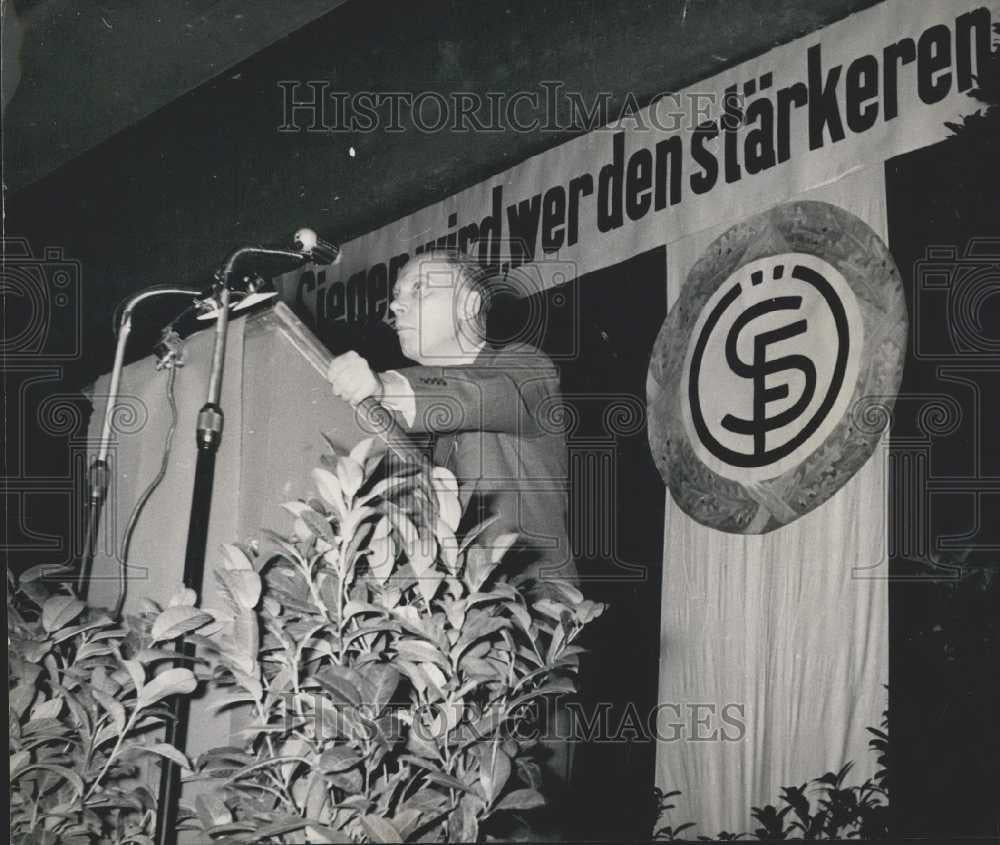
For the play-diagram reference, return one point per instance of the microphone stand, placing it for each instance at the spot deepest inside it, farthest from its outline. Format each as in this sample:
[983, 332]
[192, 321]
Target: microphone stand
[99, 471]
[208, 436]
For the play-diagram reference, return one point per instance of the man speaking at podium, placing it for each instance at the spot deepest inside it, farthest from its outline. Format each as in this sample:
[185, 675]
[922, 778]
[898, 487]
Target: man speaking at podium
[494, 411]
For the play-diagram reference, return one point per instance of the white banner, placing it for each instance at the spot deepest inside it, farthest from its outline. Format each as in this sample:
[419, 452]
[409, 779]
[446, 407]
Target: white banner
[877, 84]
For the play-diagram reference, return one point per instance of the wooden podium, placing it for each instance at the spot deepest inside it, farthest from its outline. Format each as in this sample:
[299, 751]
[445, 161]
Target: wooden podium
[277, 406]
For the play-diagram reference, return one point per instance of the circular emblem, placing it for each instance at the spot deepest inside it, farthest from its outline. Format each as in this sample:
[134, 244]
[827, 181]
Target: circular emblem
[784, 324]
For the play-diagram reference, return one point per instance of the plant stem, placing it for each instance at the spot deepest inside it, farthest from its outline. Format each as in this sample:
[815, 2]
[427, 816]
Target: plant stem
[114, 752]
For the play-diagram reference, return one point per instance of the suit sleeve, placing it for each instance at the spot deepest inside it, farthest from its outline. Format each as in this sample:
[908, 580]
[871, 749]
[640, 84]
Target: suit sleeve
[444, 400]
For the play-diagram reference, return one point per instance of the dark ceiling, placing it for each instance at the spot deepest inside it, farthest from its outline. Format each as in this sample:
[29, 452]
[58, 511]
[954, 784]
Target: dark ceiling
[89, 70]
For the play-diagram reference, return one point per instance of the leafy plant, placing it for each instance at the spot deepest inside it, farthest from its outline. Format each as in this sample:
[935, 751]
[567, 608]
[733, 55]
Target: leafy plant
[984, 125]
[667, 833]
[835, 811]
[86, 703]
[386, 666]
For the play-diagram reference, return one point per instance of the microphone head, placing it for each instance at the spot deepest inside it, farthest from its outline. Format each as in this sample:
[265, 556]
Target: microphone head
[306, 239]
[318, 250]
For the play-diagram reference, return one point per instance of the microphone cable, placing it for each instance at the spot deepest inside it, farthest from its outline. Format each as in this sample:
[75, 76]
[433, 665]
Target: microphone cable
[122, 557]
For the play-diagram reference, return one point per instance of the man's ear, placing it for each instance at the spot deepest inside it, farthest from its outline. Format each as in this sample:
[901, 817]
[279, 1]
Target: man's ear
[472, 304]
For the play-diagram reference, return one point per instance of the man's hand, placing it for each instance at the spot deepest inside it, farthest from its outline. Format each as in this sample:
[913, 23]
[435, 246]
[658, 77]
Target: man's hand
[352, 378]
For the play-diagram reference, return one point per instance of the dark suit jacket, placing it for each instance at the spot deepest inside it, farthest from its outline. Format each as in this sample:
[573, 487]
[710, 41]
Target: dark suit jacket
[499, 427]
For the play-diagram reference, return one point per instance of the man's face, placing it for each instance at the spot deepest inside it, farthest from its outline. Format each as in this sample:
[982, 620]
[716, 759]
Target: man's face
[424, 301]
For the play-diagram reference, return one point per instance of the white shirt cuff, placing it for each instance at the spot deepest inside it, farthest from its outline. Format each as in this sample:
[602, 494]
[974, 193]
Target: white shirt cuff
[398, 395]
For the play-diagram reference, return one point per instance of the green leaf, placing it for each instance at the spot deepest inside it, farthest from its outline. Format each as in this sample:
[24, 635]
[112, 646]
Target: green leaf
[475, 532]
[114, 708]
[17, 760]
[329, 488]
[558, 639]
[234, 559]
[68, 775]
[500, 546]
[222, 760]
[88, 650]
[385, 680]
[136, 672]
[407, 531]
[478, 567]
[436, 775]
[482, 728]
[59, 611]
[35, 652]
[354, 607]
[570, 593]
[381, 557]
[422, 652]
[246, 641]
[46, 709]
[483, 626]
[111, 633]
[494, 770]
[318, 525]
[447, 546]
[361, 450]
[229, 700]
[350, 474]
[212, 810]
[166, 750]
[154, 655]
[279, 827]
[446, 491]
[336, 681]
[552, 609]
[232, 827]
[462, 823]
[244, 585]
[250, 683]
[521, 614]
[49, 571]
[521, 799]
[317, 834]
[379, 829]
[350, 781]
[428, 584]
[339, 758]
[184, 597]
[557, 686]
[20, 697]
[371, 628]
[385, 488]
[406, 821]
[170, 682]
[421, 745]
[175, 621]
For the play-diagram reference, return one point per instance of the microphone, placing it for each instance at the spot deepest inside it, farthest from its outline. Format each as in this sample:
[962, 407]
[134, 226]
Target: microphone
[320, 251]
[310, 248]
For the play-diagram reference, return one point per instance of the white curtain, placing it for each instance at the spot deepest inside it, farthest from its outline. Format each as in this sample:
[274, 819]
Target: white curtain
[778, 642]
